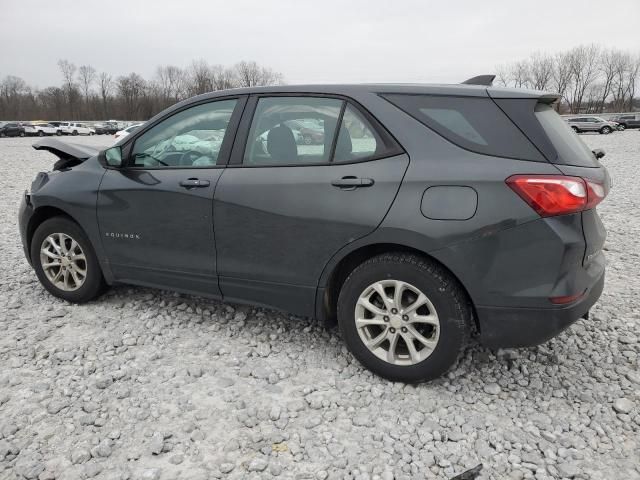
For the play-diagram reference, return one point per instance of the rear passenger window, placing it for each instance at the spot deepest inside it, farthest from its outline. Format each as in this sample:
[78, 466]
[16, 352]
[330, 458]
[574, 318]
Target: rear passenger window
[292, 130]
[473, 123]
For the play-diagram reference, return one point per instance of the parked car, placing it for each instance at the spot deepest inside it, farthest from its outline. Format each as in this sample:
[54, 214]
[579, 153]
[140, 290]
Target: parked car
[311, 132]
[631, 120]
[40, 129]
[455, 209]
[591, 124]
[100, 129]
[11, 129]
[75, 128]
[126, 131]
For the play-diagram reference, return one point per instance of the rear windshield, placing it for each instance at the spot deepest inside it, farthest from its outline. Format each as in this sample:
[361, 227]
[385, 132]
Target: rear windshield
[569, 146]
[473, 123]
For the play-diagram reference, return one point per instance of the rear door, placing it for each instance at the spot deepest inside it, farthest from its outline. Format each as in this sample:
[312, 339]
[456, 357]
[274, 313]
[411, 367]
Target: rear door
[285, 205]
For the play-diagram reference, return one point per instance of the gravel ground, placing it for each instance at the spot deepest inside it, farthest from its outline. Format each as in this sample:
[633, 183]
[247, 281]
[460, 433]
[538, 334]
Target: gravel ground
[154, 385]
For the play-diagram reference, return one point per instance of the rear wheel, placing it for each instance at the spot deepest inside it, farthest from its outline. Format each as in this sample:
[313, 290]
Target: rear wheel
[621, 127]
[75, 132]
[606, 130]
[65, 261]
[22, 134]
[575, 129]
[403, 317]
[40, 133]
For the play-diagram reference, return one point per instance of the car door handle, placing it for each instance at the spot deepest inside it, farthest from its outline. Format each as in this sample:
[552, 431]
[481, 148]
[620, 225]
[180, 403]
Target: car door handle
[194, 183]
[349, 183]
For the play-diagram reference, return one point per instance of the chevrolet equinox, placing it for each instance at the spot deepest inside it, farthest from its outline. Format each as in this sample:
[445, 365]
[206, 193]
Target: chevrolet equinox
[424, 215]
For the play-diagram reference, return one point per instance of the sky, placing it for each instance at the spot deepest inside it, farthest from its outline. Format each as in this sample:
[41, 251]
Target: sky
[327, 41]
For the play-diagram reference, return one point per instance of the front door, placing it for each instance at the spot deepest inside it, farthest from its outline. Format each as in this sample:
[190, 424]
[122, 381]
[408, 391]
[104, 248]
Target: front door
[155, 213]
[290, 199]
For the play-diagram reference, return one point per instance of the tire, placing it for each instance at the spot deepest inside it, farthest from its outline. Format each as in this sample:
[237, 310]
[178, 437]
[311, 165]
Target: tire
[22, 134]
[606, 130]
[74, 133]
[446, 299]
[93, 283]
[621, 128]
[40, 133]
[575, 129]
[59, 133]
[2, 135]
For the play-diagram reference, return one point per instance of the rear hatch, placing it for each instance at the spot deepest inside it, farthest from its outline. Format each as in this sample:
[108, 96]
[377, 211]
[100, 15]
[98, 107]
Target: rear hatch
[538, 120]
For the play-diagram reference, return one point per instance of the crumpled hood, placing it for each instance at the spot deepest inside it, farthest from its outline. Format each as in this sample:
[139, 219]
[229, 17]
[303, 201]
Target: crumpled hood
[68, 153]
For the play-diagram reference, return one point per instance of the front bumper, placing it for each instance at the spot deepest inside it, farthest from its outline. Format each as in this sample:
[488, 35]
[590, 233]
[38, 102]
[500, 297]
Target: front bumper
[526, 327]
[24, 216]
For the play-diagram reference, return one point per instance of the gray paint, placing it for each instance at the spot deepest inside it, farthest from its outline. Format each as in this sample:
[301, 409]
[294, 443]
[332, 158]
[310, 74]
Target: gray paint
[274, 235]
[449, 202]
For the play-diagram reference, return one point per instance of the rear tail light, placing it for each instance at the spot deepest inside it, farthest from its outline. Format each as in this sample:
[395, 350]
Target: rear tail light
[551, 195]
[567, 298]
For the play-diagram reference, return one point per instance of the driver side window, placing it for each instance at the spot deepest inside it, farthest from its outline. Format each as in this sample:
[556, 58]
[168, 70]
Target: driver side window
[191, 138]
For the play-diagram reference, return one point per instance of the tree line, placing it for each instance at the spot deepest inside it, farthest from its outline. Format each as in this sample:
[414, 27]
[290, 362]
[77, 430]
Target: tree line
[86, 94]
[591, 79]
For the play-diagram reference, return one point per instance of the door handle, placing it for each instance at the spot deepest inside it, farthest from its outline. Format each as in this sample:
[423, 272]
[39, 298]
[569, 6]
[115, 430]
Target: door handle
[350, 183]
[194, 183]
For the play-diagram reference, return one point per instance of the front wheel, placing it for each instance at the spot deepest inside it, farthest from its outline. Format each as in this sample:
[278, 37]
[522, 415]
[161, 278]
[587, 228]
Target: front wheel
[22, 134]
[65, 261]
[621, 128]
[605, 130]
[575, 129]
[404, 317]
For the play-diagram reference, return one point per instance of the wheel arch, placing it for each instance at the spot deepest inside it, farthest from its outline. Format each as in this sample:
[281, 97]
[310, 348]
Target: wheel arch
[42, 214]
[339, 269]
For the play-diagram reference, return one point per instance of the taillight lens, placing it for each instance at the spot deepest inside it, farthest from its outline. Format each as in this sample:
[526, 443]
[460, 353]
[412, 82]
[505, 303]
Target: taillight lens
[551, 195]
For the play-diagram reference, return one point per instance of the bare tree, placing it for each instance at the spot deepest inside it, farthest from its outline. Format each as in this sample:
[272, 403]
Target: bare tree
[131, 89]
[540, 71]
[584, 69]
[250, 74]
[68, 71]
[102, 96]
[200, 78]
[562, 76]
[86, 75]
[12, 91]
[520, 74]
[104, 84]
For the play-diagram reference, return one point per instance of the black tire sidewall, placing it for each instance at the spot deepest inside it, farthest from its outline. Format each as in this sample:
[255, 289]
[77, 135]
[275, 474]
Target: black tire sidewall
[93, 283]
[452, 329]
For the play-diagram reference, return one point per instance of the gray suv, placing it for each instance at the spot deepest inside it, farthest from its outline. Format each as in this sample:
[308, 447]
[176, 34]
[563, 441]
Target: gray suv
[427, 214]
[592, 124]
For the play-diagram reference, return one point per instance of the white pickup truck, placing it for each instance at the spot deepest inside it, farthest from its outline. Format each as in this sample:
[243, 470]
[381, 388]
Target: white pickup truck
[74, 128]
[41, 129]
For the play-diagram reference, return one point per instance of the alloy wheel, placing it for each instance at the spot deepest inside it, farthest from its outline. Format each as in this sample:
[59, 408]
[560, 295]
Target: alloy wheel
[63, 262]
[397, 322]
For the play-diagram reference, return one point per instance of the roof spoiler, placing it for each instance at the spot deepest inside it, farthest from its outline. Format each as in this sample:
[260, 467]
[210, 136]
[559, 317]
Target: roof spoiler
[485, 80]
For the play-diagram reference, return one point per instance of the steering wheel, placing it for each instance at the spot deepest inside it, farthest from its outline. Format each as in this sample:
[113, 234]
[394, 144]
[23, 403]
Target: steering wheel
[185, 157]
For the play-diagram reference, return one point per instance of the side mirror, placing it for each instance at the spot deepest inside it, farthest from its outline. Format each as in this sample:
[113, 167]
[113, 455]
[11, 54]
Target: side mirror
[599, 153]
[113, 157]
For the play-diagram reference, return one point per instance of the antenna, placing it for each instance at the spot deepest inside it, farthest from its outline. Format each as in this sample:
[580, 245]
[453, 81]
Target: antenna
[486, 80]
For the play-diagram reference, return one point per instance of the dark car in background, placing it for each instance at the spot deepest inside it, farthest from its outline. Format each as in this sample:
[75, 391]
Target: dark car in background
[427, 213]
[630, 120]
[11, 129]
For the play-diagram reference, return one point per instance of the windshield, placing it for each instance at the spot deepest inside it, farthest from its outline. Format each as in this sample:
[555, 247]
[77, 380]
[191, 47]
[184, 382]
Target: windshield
[570, 147]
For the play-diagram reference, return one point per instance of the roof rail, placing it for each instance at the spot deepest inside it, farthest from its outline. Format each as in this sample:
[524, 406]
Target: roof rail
[486, 80]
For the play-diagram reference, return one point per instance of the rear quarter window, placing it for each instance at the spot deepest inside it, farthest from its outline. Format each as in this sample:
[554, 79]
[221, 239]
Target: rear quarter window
[570, 148]
[473, 123]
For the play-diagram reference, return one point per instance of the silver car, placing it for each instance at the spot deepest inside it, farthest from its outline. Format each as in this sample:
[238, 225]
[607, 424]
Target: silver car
[591, 124]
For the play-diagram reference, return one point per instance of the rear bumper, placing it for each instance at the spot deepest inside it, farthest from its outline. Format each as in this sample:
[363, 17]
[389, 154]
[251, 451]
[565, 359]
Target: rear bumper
[526, 327]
